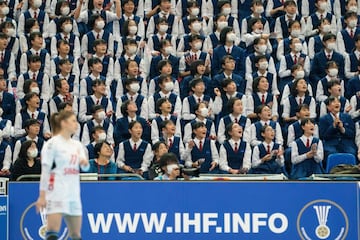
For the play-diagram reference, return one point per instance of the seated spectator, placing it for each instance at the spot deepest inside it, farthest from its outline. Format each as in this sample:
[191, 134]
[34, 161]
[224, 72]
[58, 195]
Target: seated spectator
[99, 119]
[267, 157]
[334, 89]
[98, 135]
[97, 98]
[9, 28]
[31, 26]
[192, 9]
[66, 72]
[7, 59]
[159, 149]
[346, 37]
[235, 153]
[32, 128]
[202, 152]
[35, 12]
[7, 103]
[307, 152]
[27, 162]
[316, 41]
[202, 115]
[62, 9]
[132, 87]
[61, 95]
[170, 166]
[213, 40]
[166, 85]
[102, 164]
[341, 7]
[30, 86]
[31, 111]
[337, 130]
[185, 42]
[264, 116]
[323, 11]
[5, 158]
[135, 154]
[228, 47]
[332, 73]
[256, 31]
[352, 65]
[355, 106]
[173, 141]
[128, 110]
[163, 106]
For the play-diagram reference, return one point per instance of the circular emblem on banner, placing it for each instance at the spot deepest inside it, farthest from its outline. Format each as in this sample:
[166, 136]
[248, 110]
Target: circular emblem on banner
[33, 225]
[322, 219]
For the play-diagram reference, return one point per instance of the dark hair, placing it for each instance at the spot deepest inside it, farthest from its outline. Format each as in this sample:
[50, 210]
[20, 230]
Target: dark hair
[332, 83]
[198, 125]
[162, 78]
[97, 82]
[252, 22]
[259, 108]
[23, 150]
[125, 28]
[349, 14]
[27, 97]
[330, 64]
[263, 128]
[330, 99]
[162, 64]
[191, 3]
[35, 35]
[296, 67]
[221, 3]
[293, 91]
[93, 17]
[27, 84]
[6, 24]
[157, 145]
[228, 129]
[98, 42]
[191, 20]
[256, 82]
[167, 159]
[61, 41]
[230, 104]
[58, 84]
[195, 82]
[31, 122]
[226, 57]
[94, 130]
[130, 41]
[63, 105]
[93, 60]
[256, 2]
[129, 81]
[127, 63]
[96, 108]
[165, 123]
[329, 36]
[357, 37]
[63, 20]
[226, 82]
[124, 108]
[29, 23]
[257, 40]
[161, 20]
[159, 103]
[34, 58]
[223, 34]
[259, 57]
[132, 124]
[306, 120]
[163, 43]
[194, 65]
[289, 3]
[63, 61]
[59, 5]
[302, 106]
[98, 146]
[3, 35]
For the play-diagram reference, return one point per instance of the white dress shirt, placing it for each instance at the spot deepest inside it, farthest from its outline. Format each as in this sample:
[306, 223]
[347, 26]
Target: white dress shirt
[287, 106]
[144, 111]
[256, 160]
[20, 132]
[291, 133]
[85, 139]
[186, 115]
[24, 62]
[45, 91]
[152, 105]
[84, 43]
[76, 50]
[223, 162]
[214, 152]
[250, 108]
[321, 92]
[188, 130]
[221, 137]
[83, 108]
[254, 141]
[156, 130]
[296, 158]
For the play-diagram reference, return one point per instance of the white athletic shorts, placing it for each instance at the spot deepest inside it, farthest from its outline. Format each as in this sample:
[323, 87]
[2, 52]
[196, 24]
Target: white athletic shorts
[69, 208]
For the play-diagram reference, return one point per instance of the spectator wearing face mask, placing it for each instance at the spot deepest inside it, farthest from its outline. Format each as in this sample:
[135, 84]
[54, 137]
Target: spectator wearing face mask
[185, 43]
[213, 39]
[347, 36]
[345, 6]
[315, 42]
[192, 10]
[28, 162]
[170, 167]
[98, 135]
[323, 11]
[62, 10]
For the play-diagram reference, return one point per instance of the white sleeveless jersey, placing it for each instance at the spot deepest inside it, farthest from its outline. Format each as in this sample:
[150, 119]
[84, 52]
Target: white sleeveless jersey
[63, 156]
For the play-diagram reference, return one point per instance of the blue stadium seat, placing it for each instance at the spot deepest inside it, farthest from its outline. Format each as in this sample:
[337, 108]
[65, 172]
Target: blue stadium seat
[339, 158]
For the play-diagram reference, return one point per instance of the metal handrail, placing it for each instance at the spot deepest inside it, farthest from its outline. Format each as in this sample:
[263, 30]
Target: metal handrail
[88, 175]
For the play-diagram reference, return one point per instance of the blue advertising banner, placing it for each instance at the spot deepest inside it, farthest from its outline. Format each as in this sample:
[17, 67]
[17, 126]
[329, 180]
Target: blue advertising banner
[200, 210]
[4, 217]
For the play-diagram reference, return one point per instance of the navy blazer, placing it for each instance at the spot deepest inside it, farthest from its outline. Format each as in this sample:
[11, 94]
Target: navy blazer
[239, 81]
[331, 135]
[8, 106]
[238, 54]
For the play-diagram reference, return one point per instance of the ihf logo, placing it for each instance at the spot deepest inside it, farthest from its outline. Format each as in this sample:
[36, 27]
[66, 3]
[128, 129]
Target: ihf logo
[322, 219]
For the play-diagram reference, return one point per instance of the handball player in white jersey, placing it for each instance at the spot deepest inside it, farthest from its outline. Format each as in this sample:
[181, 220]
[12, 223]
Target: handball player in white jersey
[61, 160]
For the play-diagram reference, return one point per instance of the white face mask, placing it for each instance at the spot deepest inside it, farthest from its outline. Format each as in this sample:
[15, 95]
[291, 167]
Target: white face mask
[333, 72]
[231, 37]
[198, 45]
[331, 46]
[298, 47]
[101, 137]
[132, 50]
[300, 74]
[204, 112]
[326, 28]
[296, 33]
[134, 87]
[258, 31]
[263, 65]
[65, 11]
[35, 90]
[226, 11]
[169, 86]
[353, 9]
[32, 153]
[10, 32]
[170, 168]
[68, 27]
[259, 9]
[222, 25]
[262, 49]
[163, 28]
[196, 26]
[323, 6]
[5, 10]
[194, 12]
[101, 115]
[35, 30]
[352, 23]
[100, 24]
[37, 3]
[168, 50]
[1, 112]
[133, 29]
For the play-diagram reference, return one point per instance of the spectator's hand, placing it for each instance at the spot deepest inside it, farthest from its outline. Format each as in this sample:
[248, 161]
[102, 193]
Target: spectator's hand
[217, 92]
[207, 62]
[109, 113]
[140, 172]
[128, 168]
[40, 204]
[20, 5]
[213, 166]
[267, 157]
[188, 60]
[243, 171]
[191, 144]
[4, 172]
[234, 171]
[310, 154]
[348, 109]
[84, 162]
[155, 53]
[280, 152]
[301, 61]
[265, 36]
[108, 6]
[142, 44]
[211, 52]
[213, 137]
[47, 135]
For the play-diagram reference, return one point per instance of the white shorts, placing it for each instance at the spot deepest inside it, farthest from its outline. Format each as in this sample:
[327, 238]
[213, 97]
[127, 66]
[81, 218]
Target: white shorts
[72, 208]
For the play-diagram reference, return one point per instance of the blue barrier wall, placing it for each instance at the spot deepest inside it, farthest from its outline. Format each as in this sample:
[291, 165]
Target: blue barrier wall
[201, 210]
[3, 217]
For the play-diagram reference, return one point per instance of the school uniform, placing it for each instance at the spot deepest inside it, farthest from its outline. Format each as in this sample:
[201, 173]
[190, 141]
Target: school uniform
[117, 26]
[351, 66]
[322, 92]
[44, 58]
[238, 79]
[89, 38]
[174, 99]
[55, 65]
[334, 140]
[40, 15]
[184, 24]
[73, 41]
[39, 144]
[198, 55]
[55, 102]
[232, 22]
[90, 125]
[287, 90]
[314, 21]
[155, 87]
[221, 103]
[273, 166]
[154, 41]
[355, 106]
[315, 45]
[256, 99]
[24, 115]
[250, 64]
[236, 52]
[156, 131]
[172, 21]
[295, 132]
[118, 87]
[121, 129]
[345, 40]
[203, 149]
[7, 103]
[243, 121]
[272, 80]
[154, 63]
[140, 101]
[87, 103]
[86, 14]
[284, 47]
[137, 155]
[108, 68]
[7, 63]
[344, 104]
[120, 63]
[245, 27]
[211, 41]
[52, 29]
[42, 80]
[13, 45]
[292, 103]
[320, 59]
[175, 146]
[86, 84]
[282, 25]
[72, 80]
[181, 7]
[255, 132]
[189, 103]
[303, 166]
[188, 129]
[90, 148]
[184, 44]
[185, 89]
[234, 155]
